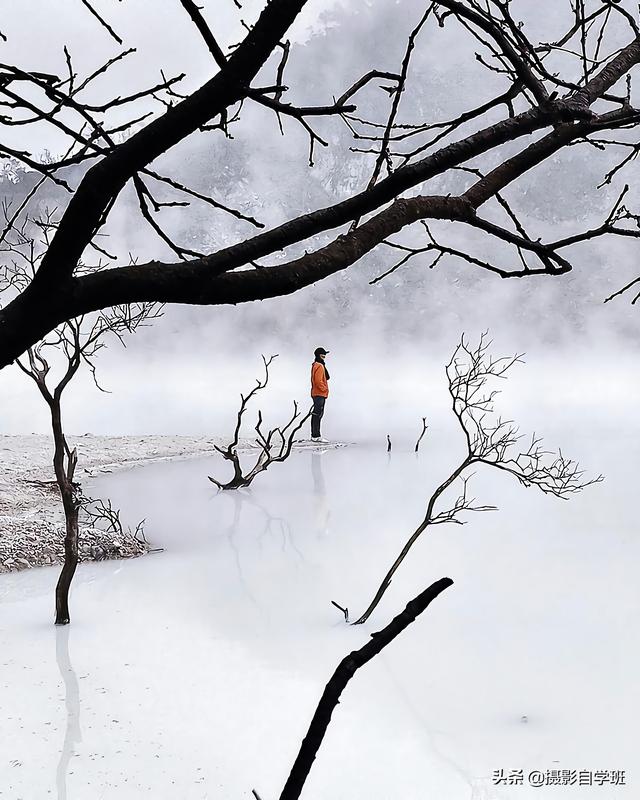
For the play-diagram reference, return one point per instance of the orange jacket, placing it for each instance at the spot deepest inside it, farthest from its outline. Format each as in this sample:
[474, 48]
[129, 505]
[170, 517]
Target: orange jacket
[319, 385]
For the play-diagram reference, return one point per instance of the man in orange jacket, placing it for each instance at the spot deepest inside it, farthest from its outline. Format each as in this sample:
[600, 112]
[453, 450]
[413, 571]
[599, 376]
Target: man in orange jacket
[319, 392]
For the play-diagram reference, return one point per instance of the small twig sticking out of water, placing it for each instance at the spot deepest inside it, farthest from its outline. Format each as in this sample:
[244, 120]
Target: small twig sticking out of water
[424, 430]
[345, 611]
[255, 794]
[388, 444]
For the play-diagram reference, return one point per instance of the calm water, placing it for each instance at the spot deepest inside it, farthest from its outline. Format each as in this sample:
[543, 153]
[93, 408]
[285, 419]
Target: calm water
[193, 673]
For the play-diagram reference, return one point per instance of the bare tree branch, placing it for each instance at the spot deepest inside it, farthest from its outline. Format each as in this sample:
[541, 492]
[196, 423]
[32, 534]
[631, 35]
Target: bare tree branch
[489, 441]
[102, 21]
[422, 433]
[533, 101]
[274, 446]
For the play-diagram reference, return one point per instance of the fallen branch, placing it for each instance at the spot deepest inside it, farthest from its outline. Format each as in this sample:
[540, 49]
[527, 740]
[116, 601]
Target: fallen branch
[341, 677]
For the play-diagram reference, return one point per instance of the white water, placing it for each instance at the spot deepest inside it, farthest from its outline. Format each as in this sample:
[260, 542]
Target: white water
[193, 673]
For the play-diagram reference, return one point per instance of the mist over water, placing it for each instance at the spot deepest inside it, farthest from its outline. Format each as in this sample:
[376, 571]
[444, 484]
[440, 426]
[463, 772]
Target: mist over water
[200, 666]
[381, 383]
[219, 647]
[390, 340]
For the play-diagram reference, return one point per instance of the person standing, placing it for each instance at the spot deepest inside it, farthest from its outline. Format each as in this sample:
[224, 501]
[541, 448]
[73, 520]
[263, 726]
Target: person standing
[319, 391]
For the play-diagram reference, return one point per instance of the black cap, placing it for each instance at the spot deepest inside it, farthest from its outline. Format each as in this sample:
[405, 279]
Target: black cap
[320, 351]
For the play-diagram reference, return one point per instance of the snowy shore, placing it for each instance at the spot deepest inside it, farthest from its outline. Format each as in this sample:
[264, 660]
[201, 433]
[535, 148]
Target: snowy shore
[31, 517]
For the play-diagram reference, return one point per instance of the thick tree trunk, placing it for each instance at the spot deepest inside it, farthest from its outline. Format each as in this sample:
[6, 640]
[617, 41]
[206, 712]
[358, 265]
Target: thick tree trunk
[64, 464]
[70, 562]
[238, 479]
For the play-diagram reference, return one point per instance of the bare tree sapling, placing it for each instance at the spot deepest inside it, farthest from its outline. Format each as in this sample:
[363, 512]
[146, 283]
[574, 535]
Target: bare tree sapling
[489, 441]
[273, 447]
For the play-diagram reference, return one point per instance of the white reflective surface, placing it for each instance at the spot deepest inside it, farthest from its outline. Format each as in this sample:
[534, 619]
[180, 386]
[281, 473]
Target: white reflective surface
[193, 673]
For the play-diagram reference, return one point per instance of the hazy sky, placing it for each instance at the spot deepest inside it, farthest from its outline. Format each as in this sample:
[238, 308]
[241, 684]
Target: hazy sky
[160, 30]
[190, 359]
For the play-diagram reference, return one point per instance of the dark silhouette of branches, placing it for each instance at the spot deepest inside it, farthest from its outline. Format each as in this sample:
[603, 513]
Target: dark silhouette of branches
[490, 441]
[274, 446]
[341, 677]
[534, 112]
[102, 21]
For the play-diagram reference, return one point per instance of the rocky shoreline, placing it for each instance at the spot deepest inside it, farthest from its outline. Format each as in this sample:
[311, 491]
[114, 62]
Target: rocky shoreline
[40, 545]
[31, 517]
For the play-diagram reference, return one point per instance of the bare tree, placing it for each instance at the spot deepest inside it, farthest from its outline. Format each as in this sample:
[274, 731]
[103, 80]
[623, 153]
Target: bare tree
[574, 90]
[71, 346]
[274, 446]
[490, 441]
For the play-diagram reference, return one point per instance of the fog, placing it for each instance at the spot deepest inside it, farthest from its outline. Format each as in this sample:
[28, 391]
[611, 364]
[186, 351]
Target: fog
[192, 673]
[379, 383]
[389, 340]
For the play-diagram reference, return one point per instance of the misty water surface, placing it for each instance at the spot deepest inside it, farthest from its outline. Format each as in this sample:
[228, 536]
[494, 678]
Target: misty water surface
[194, 672]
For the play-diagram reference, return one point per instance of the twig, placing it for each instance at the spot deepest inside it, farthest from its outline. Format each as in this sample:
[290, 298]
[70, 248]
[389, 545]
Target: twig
[422, 433]
[102, 21]
[345, 611]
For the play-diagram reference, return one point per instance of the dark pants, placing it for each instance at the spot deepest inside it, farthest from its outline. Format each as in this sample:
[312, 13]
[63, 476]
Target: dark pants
[316, 415]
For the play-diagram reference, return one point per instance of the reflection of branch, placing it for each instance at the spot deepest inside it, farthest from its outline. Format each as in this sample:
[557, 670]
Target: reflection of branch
[341, 677]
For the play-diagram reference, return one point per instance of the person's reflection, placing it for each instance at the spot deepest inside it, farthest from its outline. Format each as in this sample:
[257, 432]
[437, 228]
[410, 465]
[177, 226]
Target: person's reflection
[321, 512]
[72, 703]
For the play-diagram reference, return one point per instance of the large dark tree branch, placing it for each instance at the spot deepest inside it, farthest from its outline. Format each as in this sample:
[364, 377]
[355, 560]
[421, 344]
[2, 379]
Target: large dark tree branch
[341, 677]
[62, 290]
[104, 181]
[496, 31]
